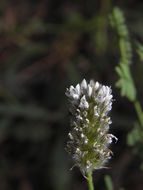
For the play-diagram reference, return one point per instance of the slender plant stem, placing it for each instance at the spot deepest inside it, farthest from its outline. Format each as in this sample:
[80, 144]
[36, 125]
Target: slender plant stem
[139, 112]
[90, 182]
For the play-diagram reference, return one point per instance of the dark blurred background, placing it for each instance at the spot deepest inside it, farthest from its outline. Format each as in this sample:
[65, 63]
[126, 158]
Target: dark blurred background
[45, 46]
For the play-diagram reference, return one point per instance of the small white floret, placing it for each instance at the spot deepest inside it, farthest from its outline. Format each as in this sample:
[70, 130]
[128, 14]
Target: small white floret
[85, 113]
[83, 103]
[82, 135]
[78, 151]
[77, 89]
[70, 136]
[88, 164]
[84, 84]
[86, 141]
[96, 111]
[79, 118]
[89, 90]
[87, 121]
[111, 137]
[97, 85]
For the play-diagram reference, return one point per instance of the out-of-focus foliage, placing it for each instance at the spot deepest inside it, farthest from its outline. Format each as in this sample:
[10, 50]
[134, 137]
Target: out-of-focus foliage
[108, 182]
[140, 51]
[126, 83]
[135, 136]
[118, 23]
[123, 70]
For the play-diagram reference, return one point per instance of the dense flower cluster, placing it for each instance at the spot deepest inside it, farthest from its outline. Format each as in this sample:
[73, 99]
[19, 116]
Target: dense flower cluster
[89, 138]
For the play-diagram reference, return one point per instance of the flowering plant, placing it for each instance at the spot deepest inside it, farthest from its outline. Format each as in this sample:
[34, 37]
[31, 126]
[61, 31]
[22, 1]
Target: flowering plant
[89, 139]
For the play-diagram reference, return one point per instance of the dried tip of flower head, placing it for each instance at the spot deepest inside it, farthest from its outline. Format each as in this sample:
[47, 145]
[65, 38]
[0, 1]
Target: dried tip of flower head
[90, 104]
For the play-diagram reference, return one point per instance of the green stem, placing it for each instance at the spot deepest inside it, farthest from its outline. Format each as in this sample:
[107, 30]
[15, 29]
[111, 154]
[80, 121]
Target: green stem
[123, 51]
[90, 182]
[139, 112]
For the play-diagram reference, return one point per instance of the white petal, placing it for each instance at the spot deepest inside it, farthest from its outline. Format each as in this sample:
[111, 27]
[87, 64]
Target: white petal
[75, 96]
[97, 85]
[70, 136]
[82, 135]
[110, 137]
[77, 89]
[78, 117]
[71, 88]
[73, 93]
[84, 84]
[92, 83]
[89, 90]
[83, 103]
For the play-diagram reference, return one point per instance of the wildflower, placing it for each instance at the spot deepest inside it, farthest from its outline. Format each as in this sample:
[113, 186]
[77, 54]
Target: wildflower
[89, 139]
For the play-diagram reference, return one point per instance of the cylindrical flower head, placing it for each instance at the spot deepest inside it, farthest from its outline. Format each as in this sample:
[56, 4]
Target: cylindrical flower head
[89, 138]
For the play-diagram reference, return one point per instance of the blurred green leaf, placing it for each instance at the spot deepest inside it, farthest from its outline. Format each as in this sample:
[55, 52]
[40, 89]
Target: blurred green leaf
[134, 136]
[117, 21]
[108, 182]
[140, 51]
[125, 83]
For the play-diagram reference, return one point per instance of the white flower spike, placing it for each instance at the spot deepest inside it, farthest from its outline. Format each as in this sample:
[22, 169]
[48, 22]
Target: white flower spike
[89, 138]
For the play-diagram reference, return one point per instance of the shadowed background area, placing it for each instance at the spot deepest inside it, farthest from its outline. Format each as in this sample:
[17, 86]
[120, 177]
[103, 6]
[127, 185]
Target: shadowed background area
[45, 46]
